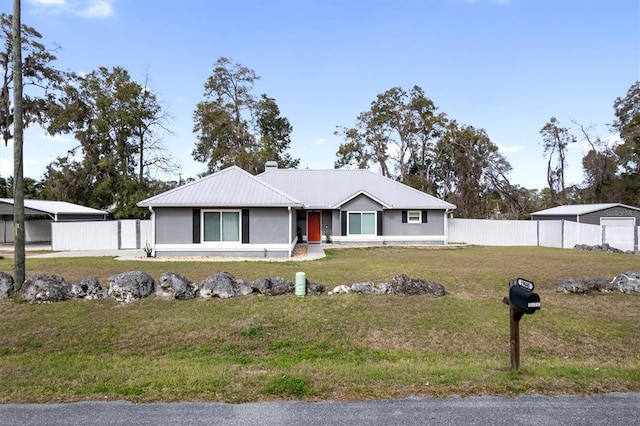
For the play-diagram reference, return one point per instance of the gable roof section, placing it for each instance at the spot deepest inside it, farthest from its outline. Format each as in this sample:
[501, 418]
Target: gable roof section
[54, 208]
[231, 187]
[579, 209]
[352, 196]
[332, 188]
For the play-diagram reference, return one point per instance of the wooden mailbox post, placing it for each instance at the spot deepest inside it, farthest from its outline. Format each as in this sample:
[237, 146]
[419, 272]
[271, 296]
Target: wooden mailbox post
[522, 300]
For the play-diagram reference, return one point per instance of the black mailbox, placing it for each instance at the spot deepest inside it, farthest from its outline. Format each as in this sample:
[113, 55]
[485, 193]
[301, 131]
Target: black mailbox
[524, 299]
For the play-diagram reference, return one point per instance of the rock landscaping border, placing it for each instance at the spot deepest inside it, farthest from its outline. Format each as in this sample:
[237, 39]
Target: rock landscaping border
[131, 286]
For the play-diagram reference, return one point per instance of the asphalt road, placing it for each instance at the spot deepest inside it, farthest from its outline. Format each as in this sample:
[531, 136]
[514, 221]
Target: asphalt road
[611, 409]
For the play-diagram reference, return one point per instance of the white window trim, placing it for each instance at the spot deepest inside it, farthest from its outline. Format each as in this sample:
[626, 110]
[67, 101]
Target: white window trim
[206, 242]
[414, 220]
[375, 223]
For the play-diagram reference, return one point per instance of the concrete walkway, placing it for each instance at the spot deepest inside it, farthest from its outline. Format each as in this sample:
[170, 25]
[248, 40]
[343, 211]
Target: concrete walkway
[314, 251]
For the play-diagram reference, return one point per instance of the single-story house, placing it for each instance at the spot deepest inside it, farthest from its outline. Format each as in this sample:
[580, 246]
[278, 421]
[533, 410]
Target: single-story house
[593, 214]
[233, 213]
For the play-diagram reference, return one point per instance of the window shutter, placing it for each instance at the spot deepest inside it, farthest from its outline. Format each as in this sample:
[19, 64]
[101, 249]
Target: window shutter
[379, 217]
[245, 226]
[424, 216]
[404, 216]
[196, 226]
[343, 223]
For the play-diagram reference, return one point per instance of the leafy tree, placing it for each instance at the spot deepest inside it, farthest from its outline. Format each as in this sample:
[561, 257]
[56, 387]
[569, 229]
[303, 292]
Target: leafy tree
[233, 127]
[39, 77]
[116, 122]
[627, 123]
[274, 135]
[397, 134]
[556, 140]
[469, 170]
[409, 140]
[600, 166]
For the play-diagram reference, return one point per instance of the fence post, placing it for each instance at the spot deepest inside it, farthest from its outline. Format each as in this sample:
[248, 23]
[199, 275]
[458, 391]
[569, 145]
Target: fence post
[138, 234]
[119, 235]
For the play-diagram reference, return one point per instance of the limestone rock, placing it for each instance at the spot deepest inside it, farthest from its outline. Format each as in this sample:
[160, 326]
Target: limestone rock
[605, 248]
[45, 289]
[370, 288]
[6, 285]
[223, 285]
[402, 284]
[175, 286]
[130, 286]
[629, 282]
[88, 288]
[315, 288]
[341, 289]
[273, 286]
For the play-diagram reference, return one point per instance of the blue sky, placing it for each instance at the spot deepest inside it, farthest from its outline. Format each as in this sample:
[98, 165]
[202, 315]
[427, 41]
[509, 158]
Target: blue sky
[505, 66]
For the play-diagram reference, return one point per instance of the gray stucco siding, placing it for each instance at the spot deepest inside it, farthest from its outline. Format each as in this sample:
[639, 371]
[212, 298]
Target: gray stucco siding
[173, 226]
[612, 213]
[361, 203]
[269, 226]
[594, 217]
[392, 224]
[266, 225]
[572, 218]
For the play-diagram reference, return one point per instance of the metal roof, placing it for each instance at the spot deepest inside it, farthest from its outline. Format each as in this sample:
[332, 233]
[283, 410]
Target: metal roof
[54, 208]
[332, 188]
[231, 187]
[579, 209]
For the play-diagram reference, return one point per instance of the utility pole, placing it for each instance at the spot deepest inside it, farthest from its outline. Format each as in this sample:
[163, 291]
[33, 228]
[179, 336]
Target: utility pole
[18, 181]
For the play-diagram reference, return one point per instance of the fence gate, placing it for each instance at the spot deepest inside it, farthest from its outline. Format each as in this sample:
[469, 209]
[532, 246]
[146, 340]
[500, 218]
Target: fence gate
[129, 234]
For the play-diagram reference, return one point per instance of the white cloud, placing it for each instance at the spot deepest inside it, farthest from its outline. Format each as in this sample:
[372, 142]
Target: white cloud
[320, 141]
[97, 9]
[82, 8]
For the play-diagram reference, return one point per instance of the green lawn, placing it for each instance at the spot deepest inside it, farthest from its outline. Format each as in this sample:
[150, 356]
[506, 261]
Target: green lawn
[259, 348]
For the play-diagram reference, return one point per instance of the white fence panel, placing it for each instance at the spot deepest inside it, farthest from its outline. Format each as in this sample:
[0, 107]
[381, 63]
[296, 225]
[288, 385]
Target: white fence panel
[97, 235]
[146, 233]
[37, 230]
[581, 233]
[493, 232]
[129, 234]
[550, 233]
[621, 237]
[587, 234]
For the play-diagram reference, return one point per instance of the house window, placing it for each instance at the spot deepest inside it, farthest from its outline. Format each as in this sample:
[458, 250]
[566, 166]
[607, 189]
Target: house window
[414, 216]
[363, 223]
[221, 226]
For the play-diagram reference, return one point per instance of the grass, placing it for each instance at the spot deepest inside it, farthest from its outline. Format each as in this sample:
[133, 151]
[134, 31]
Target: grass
[346, 347]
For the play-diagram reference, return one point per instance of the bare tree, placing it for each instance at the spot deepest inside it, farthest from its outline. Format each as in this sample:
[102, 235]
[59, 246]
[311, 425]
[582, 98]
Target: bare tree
[556, 140]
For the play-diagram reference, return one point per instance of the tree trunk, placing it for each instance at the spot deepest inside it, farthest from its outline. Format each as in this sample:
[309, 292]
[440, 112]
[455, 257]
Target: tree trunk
[18, 181]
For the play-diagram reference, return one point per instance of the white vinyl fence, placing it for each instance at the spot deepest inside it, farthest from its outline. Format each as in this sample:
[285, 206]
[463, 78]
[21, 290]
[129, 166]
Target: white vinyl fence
[547, 233]
[100, 235]
[136, 234]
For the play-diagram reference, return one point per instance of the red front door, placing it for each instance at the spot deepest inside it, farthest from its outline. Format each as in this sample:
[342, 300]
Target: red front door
[314, 227]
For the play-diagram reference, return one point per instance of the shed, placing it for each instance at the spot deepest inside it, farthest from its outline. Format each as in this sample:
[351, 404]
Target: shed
[593, 214]
[39, 229]
[58, 211]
